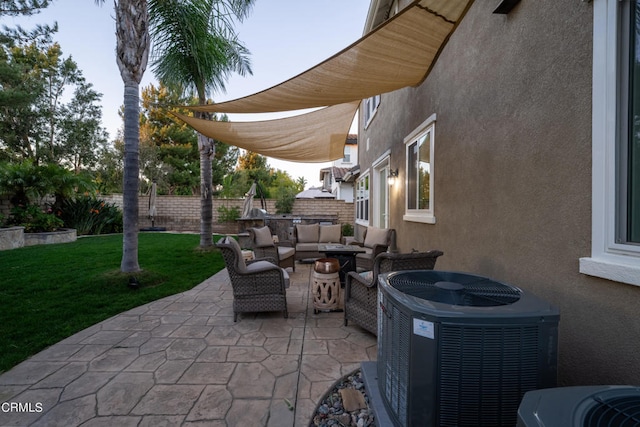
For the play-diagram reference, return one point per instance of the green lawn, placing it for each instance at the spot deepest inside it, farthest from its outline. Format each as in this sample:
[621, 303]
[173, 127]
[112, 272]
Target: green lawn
[50, 292]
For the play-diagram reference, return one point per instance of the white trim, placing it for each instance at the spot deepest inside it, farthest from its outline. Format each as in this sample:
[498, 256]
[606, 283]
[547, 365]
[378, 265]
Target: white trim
[609, 259]
[426, 216]
[380, 186]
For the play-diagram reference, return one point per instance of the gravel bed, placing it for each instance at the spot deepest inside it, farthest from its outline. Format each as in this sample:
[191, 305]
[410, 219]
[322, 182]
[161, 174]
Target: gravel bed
[330, 410]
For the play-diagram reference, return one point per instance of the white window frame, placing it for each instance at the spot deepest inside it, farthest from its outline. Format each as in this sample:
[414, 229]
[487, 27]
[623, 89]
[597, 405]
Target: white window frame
[346, 156]
[426, 216]
[609, 259]
[363, 195]
[370, 109]
[381, 191]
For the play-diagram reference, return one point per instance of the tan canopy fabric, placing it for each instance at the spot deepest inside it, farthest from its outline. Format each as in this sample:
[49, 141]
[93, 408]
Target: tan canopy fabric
[318, 136]
[397, 54]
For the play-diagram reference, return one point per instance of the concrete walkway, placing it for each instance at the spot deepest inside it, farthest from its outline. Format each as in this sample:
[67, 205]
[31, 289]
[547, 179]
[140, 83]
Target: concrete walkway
[182, 361]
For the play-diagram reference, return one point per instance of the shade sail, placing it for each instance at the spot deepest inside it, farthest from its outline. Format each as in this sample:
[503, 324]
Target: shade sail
[397, 54]
[318, 136]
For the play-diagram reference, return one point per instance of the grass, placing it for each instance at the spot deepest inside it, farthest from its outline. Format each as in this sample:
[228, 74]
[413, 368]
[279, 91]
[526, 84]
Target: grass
[50, 292]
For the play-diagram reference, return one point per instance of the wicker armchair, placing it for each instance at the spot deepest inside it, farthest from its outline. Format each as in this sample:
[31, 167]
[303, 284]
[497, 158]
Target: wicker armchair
[264, 247]
[361, 289]
[258, 285]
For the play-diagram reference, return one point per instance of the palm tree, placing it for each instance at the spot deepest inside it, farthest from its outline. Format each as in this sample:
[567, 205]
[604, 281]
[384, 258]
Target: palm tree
[132, 54]
[196, 48]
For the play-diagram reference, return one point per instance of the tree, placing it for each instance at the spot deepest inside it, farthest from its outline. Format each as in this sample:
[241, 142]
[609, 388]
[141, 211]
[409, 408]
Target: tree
[81, 135]
[174, 144]
[25, 8]
[132, 54]
[196, 48]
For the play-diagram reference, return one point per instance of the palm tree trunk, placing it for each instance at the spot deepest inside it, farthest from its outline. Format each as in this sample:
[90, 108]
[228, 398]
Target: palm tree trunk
[132, 53]
[130, 182]
[207, 151]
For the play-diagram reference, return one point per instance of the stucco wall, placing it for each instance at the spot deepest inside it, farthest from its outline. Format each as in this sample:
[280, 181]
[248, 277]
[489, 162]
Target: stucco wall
[512, 95]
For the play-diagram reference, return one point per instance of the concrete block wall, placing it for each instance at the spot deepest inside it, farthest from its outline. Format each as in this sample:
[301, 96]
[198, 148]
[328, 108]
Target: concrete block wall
[182, 213]
[344, 210]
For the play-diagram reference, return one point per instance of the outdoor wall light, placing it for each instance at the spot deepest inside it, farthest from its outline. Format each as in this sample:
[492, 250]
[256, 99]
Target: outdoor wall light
[505, 6]
[392, 176]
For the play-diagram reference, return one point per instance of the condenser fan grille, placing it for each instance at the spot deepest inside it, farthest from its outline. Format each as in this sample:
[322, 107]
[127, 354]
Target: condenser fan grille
[454, 288]
[623, 411]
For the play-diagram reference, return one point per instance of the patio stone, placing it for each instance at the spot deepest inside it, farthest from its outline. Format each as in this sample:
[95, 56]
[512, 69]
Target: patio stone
[183, 361]
[279, 364]
[185, 348]
[208, 373]
[213, 404]
[58, 352]
[154, 345]
[247, 354]
[285, 387]
[213, 353]
[251, 339]
[251, 380]
[162, 421]
[70, 413]
[63, 376]
[30, 372]
[345, 351]
[223, 335]
[171, 371]
[106, 337]
[47, 397]
[248, 412]
[147, 362]
[87, 383]
[115, 359]
[191, 331]
[122, 393]
[120, 421]
[89, 352]
[168, 400]
[320, 367]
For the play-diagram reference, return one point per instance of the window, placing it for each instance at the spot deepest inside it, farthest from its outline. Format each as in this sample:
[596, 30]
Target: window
[347, 154]
[362, 199]
[370, 108]
[615, 251]
[419, 176]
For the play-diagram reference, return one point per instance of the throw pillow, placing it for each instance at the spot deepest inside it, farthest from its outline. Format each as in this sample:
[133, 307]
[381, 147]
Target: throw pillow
[263, 237]
[376, 236]
[307, 233]
[330, 233]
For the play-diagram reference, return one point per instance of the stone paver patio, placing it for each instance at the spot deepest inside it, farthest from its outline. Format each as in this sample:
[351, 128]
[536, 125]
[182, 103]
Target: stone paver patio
[182, 361]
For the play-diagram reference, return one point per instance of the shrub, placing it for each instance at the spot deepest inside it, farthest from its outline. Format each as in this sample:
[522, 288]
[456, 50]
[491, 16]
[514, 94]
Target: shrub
[226, 214]
[34, 220]
[347, 229]
[285, 199]
[89, 215]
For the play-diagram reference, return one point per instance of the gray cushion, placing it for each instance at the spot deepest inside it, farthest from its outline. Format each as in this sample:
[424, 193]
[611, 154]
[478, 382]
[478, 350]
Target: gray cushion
[263, 237]
[367, 276]
[285, 252]
[240, 264]
[307, 247]
[266, 265]
[308, 233]
[330, 233]
[376, 236]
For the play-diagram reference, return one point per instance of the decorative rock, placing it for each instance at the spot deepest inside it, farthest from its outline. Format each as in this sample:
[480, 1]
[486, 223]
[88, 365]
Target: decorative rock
[334, 411]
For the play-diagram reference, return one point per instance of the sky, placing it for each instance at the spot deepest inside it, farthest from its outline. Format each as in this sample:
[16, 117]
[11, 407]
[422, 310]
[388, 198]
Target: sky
[285, 38]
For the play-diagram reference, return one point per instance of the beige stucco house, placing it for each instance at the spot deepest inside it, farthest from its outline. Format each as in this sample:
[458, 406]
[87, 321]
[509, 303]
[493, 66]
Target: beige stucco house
[517, 157]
